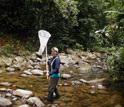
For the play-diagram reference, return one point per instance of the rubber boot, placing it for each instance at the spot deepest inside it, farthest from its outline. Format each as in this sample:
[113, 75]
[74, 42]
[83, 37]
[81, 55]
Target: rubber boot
[57, 94]
[50, 96]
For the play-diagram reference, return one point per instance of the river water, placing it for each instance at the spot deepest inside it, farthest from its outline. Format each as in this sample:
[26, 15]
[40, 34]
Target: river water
[82, 95]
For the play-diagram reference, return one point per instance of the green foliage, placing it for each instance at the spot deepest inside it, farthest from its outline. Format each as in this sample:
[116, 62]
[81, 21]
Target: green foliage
[90, 18]
[116, 65]
[30, 46]
[112, 34]
[6, 49]
[11, 46]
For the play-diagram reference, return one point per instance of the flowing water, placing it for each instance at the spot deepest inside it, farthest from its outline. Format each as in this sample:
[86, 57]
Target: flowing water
[82, 95]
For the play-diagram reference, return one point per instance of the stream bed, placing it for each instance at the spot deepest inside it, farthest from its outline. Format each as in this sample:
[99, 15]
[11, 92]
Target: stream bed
[73, 92]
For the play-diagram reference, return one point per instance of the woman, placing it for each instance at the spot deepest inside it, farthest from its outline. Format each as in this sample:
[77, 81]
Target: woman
[54, 65]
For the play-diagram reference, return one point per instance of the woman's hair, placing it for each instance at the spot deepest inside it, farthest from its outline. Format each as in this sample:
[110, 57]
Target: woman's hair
[56, 49]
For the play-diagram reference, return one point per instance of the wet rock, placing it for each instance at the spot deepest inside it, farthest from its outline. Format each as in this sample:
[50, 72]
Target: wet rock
[24, 75]
[65, 76]
[8, 94]
[96, 81]
[36, 101]
[10, 69]
[5, 83]
[24, 105]
[92, 92]
[37, 72]
[22, 93]
[28, 72]
[83, 81]
[75, 83]
[93, 87]
[5, 102]
[66, 84]
[101, 87]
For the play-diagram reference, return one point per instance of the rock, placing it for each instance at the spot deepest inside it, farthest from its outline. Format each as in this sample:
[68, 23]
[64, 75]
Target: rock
[24, 105]
[71, 72]
[84, 67]
[33, 56]
[97, 54]
[53, 105]
[101, 87]
[35, 63]
[20, 65]
[5, 61]
[37, 72]
[10, 69]
[5, 84]
[18, 59]
[69, 51]
[83, 81]
[36, 101]
[92, 92]
[3, 89]
[92, 86]
[91, 56]
[37, 67]
[118, 105]
[65, 76]
[96, 81]
[1, 71]
[29, 67]
[14, 99]
[67, 60]
[39, 59]
[24, 75]
[22, 93]
[65, 84]
[30, 62]
[28, 72]
[8, 94]
[5, 102]
[76, 82]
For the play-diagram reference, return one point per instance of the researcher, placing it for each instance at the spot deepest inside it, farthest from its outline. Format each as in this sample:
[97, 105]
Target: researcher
[54, 65]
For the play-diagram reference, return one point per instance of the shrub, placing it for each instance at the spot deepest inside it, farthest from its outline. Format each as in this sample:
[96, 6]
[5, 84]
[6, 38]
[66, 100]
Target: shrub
[116, 65]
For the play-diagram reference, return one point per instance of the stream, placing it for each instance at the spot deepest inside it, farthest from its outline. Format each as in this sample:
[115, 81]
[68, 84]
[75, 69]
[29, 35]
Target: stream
[73, 92]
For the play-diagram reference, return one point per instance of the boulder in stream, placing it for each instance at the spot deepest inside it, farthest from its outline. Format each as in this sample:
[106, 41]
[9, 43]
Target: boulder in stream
[36, 101]
[37, 72]
[4, 102]
[22, 93]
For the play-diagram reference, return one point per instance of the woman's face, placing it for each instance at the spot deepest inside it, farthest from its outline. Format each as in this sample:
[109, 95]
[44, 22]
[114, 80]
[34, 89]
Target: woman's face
[53, 52]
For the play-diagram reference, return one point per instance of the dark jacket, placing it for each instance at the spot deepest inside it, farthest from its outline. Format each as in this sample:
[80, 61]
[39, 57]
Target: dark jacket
[54, 65]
